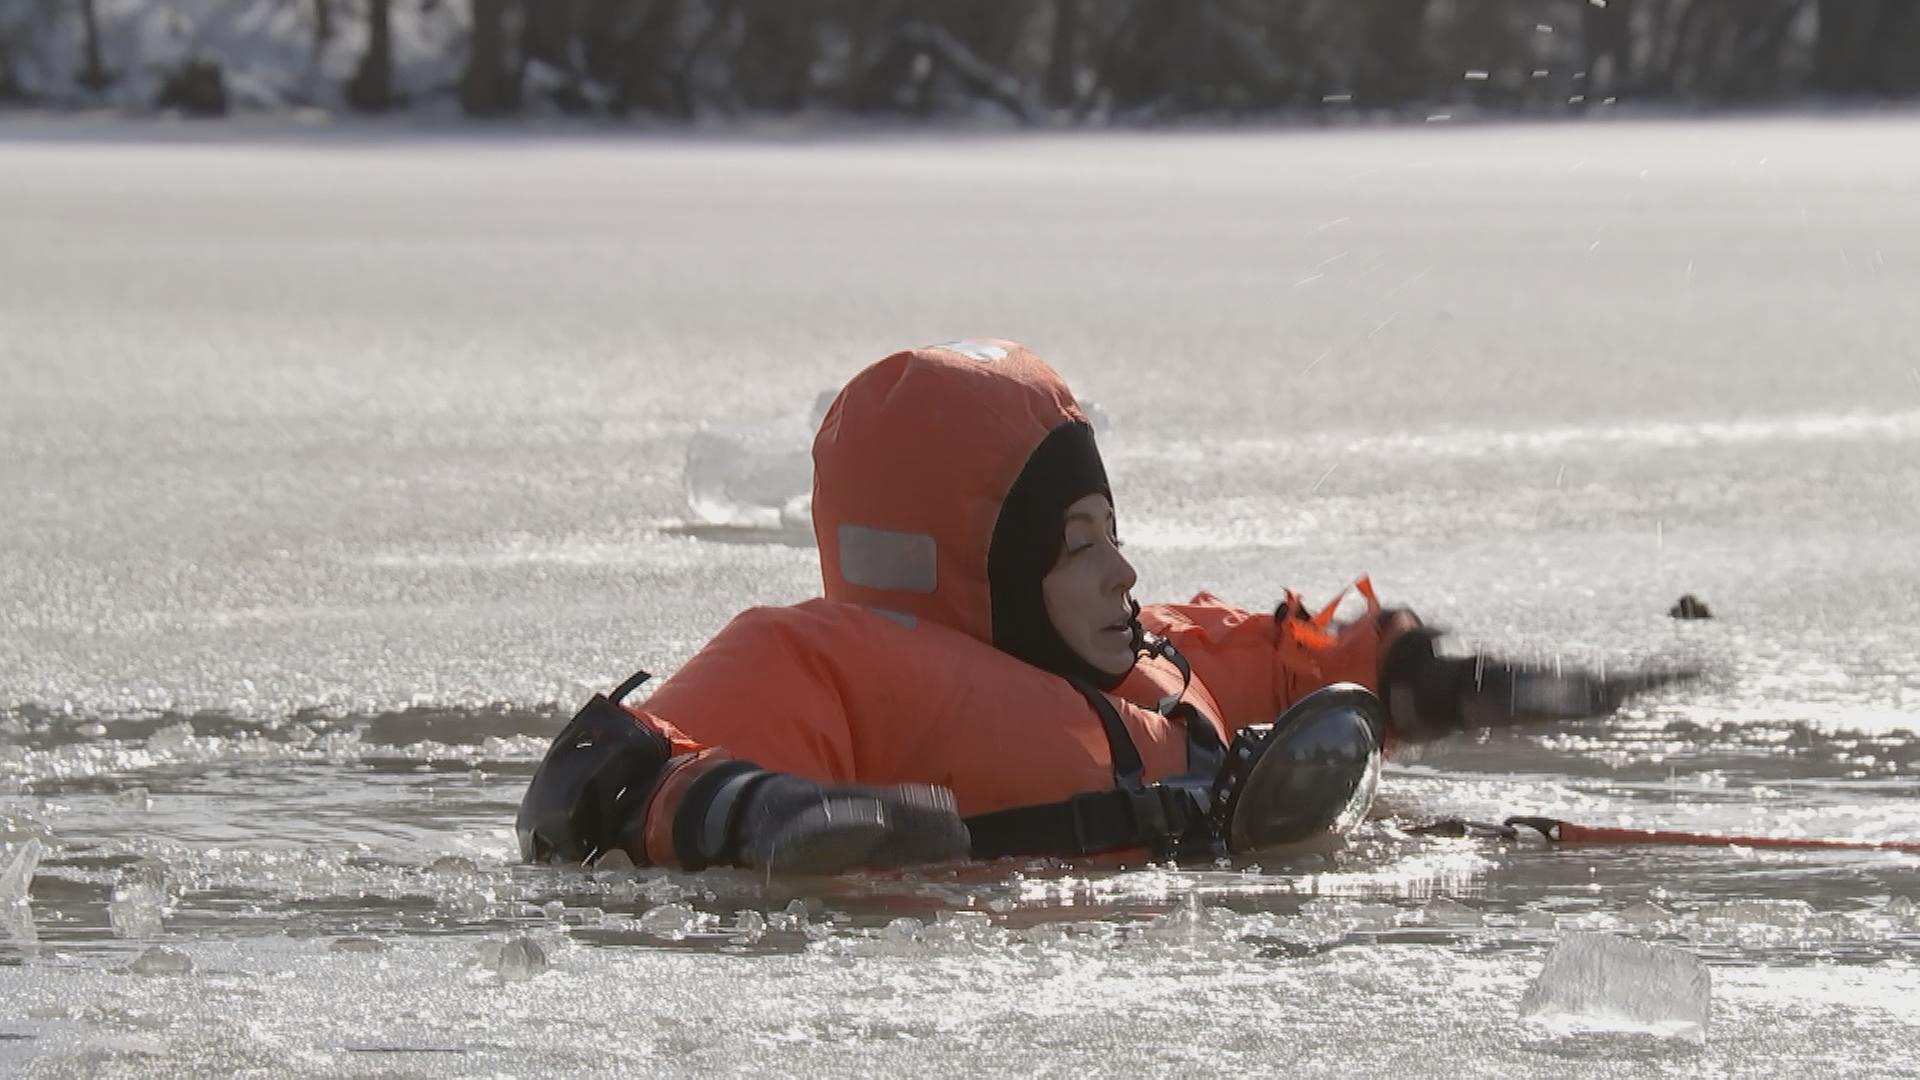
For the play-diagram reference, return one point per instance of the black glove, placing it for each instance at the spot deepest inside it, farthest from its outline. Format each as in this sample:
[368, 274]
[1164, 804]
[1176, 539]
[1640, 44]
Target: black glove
[1431, 696]
[740, 814]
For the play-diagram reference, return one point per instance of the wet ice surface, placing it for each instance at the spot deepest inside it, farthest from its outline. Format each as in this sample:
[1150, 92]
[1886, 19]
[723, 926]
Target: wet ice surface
[337, 470]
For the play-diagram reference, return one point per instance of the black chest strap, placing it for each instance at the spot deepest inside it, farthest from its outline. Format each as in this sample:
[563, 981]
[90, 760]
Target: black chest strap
[1152, 816]
[1132, 814]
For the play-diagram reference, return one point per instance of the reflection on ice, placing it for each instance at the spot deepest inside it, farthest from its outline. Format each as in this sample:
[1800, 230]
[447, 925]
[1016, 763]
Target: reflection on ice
[1598, 982]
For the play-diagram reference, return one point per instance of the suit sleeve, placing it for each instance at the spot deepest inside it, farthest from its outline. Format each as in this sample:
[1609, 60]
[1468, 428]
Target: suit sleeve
[1257, 664]
[759, 691]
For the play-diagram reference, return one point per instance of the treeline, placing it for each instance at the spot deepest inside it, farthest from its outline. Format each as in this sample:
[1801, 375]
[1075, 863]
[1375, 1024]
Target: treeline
[1044, 62]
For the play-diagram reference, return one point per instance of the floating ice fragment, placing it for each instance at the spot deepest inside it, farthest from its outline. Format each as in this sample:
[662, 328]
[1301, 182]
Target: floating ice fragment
[170, 739]
[748, 926]
[792, 917]
[1598, 982]
[1645, 913]
[134, 798]
[521, 959]
[136, 908]
[16, 884]
[751, 476]
[453, 864]
[358, 945]
[161, 960]
[1445, 912]
[670, 921]
[468, 899]
[1784, 913]
[487, 955]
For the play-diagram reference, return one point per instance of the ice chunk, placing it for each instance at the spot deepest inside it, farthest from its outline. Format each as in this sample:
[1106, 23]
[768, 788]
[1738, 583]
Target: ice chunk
[170, 740]
[358, 945]
[902, 931]
[792, 917]
[1789, 914]
[16, 884]
[521, 959]
[136, 908]
[161, 960]
[1538, 919]
[1445, 912]
[670, 921]
[748, 927]
[753, 476]
[1645, 913]
[467, 898]
[1904, 912]
[1598, 982]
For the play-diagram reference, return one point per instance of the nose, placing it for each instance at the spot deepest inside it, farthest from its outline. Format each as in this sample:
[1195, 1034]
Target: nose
[1120, 576]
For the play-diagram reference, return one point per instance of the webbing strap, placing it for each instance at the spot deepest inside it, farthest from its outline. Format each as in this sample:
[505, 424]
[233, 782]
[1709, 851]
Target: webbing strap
[1089, 823]
[1127, 766]
[1132, 814]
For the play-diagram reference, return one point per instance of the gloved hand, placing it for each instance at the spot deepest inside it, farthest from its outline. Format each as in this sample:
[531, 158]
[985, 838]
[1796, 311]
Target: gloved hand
[746, 816]
[1431, 696]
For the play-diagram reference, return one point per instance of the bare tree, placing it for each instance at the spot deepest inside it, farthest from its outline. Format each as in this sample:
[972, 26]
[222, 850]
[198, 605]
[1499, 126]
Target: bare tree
[371, 89]
[94, 75]
[487, 88]
[1867, 48]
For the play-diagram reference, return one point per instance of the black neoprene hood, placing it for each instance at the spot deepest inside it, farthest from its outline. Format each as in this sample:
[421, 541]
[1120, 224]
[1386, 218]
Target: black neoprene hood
[1027, 539]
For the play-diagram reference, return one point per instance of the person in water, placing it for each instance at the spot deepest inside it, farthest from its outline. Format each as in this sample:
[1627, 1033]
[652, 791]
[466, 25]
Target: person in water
[978, 680]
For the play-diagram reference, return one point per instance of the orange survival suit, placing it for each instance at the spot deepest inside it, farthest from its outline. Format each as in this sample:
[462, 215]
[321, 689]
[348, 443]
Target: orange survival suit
[922, 665]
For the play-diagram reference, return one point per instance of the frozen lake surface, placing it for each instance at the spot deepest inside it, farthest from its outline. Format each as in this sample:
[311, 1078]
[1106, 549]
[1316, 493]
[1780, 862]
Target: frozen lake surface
[336, 468]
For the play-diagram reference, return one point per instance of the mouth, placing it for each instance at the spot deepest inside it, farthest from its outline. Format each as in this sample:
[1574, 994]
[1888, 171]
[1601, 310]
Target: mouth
[1123, 626]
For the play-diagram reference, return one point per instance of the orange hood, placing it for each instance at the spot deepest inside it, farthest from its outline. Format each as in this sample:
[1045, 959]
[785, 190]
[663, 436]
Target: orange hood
[912, 467]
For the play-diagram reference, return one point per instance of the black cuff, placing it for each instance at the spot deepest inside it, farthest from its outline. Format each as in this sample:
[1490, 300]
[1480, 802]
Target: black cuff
[704, 824]
[1434, 685]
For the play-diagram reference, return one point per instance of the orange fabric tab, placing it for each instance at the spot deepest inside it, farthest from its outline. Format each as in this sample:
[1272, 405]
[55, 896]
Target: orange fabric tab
[665, 802]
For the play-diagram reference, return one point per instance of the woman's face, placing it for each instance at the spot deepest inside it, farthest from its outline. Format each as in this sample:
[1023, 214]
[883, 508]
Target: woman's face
[1086, 591]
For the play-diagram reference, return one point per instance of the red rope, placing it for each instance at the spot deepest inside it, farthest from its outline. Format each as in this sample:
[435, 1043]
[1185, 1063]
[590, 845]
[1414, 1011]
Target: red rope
[1567, 832]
